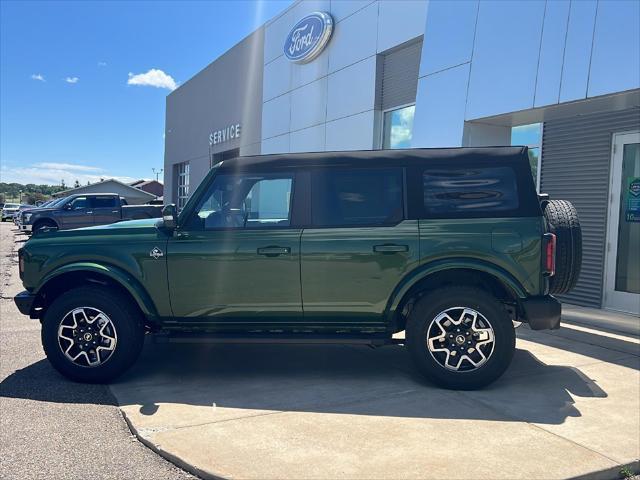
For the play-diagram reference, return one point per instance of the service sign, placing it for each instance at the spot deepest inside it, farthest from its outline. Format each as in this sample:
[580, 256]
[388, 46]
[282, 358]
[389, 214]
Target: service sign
[308, 37]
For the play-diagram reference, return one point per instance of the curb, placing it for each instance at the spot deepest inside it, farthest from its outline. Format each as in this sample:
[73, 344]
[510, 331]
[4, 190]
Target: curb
[611, 473]
[177, 461]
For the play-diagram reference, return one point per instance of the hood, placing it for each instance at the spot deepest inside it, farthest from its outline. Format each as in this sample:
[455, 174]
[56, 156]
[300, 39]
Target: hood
[128, 227]
[128, 224]
[39, 210]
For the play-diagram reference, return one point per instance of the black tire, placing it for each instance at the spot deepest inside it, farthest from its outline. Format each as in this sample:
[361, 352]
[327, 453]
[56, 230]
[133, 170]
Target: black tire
[125, 318]
[422, 318]
[43, 224]
[562, 220]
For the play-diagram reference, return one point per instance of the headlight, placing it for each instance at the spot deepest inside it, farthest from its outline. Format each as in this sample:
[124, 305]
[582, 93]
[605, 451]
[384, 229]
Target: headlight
[26, 217]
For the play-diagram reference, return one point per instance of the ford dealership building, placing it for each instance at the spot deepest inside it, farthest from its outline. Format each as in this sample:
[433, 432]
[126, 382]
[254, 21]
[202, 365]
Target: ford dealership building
[560, 76]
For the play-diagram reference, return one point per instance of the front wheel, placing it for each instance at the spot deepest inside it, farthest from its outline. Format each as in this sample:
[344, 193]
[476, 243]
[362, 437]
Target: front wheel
[460, 337]
[92, 334]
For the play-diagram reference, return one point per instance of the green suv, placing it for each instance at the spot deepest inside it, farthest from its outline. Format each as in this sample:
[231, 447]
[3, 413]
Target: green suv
[449, 245]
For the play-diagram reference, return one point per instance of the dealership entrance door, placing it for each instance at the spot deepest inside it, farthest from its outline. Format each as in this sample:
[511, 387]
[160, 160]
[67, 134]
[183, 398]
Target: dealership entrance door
[622, 268]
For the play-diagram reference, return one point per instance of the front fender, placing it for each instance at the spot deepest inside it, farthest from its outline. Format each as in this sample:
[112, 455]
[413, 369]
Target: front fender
[431, 268]
[118, 275]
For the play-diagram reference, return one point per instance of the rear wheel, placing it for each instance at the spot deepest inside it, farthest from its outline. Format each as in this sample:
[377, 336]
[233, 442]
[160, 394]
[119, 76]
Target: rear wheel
[563, 221]
[92, 334]
[460, 337]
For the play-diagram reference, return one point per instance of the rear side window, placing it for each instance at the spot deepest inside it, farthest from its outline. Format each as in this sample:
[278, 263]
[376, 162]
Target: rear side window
[104, 202]
[470, 191]
[342, 198]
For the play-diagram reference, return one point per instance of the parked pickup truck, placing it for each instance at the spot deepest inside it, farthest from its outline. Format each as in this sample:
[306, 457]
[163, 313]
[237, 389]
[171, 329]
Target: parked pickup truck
[85, 210]
[449, 245]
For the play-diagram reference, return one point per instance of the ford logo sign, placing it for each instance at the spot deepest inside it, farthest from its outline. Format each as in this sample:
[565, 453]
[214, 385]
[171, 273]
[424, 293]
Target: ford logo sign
[308, 37]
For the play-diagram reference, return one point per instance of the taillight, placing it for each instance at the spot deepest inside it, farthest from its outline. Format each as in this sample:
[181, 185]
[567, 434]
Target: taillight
[549, 254]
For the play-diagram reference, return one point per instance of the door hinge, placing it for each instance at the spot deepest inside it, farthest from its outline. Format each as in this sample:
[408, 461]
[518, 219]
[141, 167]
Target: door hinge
[608, 246]
[615, 148]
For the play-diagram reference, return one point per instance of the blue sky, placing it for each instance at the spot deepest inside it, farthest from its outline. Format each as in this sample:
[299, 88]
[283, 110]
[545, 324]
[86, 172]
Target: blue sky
[77, 94]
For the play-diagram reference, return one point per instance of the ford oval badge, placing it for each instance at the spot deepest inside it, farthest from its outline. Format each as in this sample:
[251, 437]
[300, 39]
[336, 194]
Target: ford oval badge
[308, 37]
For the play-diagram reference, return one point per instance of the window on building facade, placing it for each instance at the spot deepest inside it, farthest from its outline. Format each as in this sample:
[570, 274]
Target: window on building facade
[398, 127]
[531, 136]
[183, 184]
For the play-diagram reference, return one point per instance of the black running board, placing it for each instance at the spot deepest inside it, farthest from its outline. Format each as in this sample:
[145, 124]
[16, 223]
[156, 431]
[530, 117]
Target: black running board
[282, 338]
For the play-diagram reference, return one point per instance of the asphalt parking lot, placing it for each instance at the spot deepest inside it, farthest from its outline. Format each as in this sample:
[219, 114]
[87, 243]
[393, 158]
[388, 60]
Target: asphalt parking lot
[49, 426]
[568, 407]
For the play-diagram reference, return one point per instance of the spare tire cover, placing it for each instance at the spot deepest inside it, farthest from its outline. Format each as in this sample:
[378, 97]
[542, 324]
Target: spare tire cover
[562, 220]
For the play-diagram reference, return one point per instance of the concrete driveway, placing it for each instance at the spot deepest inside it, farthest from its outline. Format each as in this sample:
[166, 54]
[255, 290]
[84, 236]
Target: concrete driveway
[568, 406]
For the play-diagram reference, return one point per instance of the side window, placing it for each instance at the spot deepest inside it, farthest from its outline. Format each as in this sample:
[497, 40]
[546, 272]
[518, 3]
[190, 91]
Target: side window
[79, 203]
[469, 191]
[246, 201]
[356, 197]
[104, 202]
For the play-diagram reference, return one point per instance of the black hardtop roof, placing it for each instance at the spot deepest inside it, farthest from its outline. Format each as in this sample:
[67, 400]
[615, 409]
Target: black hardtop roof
[368, 158]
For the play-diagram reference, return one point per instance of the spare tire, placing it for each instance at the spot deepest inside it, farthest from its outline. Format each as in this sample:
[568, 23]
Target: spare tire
[562, 220]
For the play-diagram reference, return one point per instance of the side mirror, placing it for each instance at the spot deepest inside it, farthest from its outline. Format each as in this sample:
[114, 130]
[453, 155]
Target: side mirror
[170, 216]
[67, 206]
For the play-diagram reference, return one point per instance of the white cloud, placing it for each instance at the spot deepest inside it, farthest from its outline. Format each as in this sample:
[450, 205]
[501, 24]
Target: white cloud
[68, 166]
[52, 173]
[153, 78]
[71, 79]
[102, 64]
[37, 76]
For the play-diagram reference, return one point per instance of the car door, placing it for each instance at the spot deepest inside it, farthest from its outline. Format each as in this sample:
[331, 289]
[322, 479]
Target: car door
[76, 213]
[237, 260]
[359, 247]
[106, 209]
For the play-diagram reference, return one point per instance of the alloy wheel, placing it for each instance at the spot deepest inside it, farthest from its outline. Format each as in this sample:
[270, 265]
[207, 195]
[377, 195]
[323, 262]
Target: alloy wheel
[460, 339]
[87, 337]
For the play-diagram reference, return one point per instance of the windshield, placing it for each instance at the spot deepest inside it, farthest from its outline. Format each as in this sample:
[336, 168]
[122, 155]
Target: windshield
[11, 205]
[57, 203]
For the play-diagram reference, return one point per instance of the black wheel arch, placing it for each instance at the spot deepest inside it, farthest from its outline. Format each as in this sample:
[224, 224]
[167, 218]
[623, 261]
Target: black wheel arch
[59, 284]
[452, 276]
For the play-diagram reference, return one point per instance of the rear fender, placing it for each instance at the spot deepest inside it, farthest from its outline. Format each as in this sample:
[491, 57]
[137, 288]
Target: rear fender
[424, 271]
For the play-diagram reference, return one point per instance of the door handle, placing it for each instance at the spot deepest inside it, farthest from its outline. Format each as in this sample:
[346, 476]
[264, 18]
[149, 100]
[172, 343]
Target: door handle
[89, 213]
[115, 211]
[390, 248]
[274, 251]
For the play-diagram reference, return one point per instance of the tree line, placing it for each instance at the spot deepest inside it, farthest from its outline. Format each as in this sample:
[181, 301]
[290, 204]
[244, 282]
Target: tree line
[29, 193]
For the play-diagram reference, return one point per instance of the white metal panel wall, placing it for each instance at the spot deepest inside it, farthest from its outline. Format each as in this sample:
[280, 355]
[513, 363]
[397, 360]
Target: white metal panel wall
[576, 158]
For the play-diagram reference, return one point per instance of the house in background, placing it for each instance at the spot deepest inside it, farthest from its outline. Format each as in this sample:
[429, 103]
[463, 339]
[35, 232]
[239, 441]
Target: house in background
[150, 186]
[134, 196]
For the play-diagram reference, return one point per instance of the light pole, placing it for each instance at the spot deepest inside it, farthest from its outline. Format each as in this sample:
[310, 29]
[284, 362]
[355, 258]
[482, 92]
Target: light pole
[157, 172]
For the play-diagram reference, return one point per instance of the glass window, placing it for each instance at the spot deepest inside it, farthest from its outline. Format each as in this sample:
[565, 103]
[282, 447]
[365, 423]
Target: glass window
[104, 202]
[469, 190]
[356, 197]
[251, 201]
[530, 136]
[79, 203]
[183, 184]
[398, 127]
[628, 257]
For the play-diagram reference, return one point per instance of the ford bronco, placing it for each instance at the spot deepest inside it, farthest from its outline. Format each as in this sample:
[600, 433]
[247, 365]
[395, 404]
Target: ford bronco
[451, 246]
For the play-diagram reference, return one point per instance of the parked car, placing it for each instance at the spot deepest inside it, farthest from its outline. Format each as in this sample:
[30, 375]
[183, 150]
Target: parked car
[449, 245]
[21, 208]
[20, 216]
[9, 211]
[85, 210]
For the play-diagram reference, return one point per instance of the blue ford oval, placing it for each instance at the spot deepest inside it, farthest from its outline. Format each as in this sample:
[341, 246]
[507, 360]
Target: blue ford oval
[308, 37]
